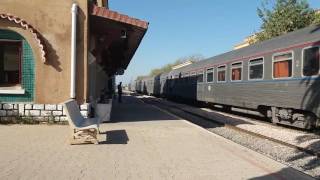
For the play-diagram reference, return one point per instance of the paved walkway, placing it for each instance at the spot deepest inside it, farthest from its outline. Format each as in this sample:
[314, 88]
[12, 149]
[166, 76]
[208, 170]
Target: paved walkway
[142, 143]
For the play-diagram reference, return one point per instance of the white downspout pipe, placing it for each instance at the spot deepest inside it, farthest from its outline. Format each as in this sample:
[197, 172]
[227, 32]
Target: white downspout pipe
[74, 12]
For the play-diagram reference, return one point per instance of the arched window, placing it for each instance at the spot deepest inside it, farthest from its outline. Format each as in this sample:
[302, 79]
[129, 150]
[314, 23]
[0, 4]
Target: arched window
[16, 68]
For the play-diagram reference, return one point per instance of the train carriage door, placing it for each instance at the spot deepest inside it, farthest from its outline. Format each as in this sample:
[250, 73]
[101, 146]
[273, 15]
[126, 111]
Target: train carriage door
[209, 84]
[192, 82]
[200, 85]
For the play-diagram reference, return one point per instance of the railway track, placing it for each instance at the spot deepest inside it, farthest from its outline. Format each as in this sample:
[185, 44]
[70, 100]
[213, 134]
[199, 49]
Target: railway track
[173, 109]
[259, 119]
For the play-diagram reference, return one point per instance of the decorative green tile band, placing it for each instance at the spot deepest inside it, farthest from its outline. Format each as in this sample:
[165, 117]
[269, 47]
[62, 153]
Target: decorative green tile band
[27, 70]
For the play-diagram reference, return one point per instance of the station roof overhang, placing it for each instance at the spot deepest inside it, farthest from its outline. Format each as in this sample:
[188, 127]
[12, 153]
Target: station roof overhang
[118, 36]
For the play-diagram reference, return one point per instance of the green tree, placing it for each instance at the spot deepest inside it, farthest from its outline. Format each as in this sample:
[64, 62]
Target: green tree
[283, 17]
[168, 67]
[317, 18]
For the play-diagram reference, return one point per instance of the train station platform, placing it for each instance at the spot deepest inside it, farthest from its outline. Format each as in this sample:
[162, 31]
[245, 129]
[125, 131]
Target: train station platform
[160, 145]
[141, 142]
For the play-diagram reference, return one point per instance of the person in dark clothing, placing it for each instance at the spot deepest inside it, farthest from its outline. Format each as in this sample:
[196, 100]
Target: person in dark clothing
[120, 92]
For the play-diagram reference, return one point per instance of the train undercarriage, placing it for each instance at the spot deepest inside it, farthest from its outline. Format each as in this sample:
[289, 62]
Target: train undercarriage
[290, 117]
[285, 116]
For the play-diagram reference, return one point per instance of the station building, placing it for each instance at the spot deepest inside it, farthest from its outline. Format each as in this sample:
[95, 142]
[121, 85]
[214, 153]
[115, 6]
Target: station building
[51, 51]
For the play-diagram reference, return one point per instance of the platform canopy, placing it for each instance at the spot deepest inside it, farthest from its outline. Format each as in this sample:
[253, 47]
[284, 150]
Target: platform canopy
[117, 37]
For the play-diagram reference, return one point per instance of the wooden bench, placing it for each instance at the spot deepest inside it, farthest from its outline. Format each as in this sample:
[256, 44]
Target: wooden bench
[84, 130]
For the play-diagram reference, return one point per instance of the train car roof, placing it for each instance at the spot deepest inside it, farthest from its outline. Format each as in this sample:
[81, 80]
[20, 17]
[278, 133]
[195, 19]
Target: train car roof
[306, 35]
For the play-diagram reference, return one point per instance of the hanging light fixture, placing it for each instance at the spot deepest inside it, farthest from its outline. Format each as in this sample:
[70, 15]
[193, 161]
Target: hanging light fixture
[123, 34]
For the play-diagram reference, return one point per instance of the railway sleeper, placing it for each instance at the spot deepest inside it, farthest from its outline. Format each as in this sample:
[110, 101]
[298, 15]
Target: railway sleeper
[292, 117]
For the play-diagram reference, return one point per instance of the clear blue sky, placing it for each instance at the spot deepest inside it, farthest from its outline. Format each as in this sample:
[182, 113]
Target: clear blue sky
[179, 28]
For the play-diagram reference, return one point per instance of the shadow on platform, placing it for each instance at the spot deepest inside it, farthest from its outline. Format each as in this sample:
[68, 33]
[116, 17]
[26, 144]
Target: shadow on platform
[115, 137]
[285, 173]
[133, 109]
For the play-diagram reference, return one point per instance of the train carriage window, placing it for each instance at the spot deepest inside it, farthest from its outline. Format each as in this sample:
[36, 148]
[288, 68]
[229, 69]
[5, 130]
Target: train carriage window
[221, 73]
[236, 71]
[256, 69]
[210, 75]
[282, 65]
[200, 77]
[192, 76]
[186, 76]
[311, 60]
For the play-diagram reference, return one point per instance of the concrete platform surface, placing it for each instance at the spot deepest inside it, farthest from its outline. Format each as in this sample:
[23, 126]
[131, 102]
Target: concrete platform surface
[142, 143]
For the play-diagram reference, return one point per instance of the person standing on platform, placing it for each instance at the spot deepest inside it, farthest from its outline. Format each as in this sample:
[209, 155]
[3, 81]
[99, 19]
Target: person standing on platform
[120, 92]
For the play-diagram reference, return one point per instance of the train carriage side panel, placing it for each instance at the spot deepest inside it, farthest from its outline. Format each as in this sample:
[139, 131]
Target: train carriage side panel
[295, 92]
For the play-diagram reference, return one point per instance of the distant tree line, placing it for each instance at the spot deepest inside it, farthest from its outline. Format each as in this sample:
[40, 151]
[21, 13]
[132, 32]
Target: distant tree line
[168, 67]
